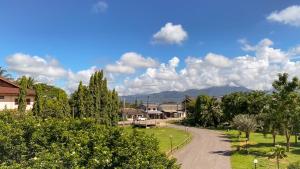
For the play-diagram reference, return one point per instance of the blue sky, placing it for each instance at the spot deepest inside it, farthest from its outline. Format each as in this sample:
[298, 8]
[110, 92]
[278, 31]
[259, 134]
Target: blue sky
[78, 35]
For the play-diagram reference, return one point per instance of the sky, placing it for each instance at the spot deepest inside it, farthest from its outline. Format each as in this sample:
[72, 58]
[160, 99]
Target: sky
[151, 46]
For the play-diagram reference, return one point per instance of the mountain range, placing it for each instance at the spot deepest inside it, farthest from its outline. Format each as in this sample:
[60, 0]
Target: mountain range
[178, 96]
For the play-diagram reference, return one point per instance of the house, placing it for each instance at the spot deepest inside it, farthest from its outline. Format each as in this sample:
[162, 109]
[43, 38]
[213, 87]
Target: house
[9, 92]
[172, 110]
[132, 114]
[149, 106]
[151, 109]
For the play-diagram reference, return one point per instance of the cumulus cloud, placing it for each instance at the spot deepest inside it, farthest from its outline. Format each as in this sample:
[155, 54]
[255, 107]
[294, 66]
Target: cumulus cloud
[46, 70]
[128, 63]
[73, 78]
[100, 6]
[289, 16]
[255, 71]
[170, 34]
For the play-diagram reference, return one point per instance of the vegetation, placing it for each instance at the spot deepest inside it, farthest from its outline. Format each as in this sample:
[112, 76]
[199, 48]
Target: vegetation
[96, 100]
[295, 165]
[259, 147]
[163, 135]
[22, 95]
[278, 152]
[50, 101]
[30, 142]
[245, 123]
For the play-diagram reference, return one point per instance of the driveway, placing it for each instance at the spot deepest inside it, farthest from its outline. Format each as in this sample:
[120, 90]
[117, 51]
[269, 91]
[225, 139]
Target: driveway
[208, 149]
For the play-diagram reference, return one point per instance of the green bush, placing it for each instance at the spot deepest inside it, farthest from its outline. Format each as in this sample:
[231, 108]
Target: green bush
[31, 142]
[295, 165]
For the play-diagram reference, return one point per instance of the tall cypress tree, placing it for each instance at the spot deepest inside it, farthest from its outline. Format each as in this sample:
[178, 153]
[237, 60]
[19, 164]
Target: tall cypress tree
[22, 95]
[80, 100]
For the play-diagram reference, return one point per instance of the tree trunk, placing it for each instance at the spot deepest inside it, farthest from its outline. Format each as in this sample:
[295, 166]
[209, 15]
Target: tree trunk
[274, 138]
[248, 135]
[287, 136]
[277, 160]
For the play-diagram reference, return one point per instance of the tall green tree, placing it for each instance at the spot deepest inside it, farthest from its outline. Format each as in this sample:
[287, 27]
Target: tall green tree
[22, 94]
[96, 100]
[287, 107]
[207, 112]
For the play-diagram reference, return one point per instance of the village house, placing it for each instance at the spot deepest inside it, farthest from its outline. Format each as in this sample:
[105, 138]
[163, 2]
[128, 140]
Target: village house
[9, 92]
[132, 114]
[172, 110]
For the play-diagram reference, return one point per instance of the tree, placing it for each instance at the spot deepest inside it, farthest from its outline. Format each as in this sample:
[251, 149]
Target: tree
[278, 153]
[245, 123]
[96, 100]
[207, 111]
[50, 101]
[22, 95]
[270, 119]
[3, 73]
[287, 106]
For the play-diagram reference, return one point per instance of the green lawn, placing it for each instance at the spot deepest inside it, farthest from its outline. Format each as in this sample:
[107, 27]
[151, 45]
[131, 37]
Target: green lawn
[259, 146]
[163, 135]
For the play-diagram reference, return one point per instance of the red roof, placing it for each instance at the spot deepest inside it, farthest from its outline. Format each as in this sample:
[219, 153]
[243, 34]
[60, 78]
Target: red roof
[13, 90]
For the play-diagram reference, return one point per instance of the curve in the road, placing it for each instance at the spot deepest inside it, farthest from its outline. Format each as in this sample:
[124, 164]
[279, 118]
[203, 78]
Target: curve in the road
[208, 149]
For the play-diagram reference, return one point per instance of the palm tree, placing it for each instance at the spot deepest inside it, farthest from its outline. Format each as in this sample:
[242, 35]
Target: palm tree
[3, 73]
[279, 153]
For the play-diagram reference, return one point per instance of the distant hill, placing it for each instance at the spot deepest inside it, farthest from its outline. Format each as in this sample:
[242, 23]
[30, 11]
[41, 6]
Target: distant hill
[177, 96]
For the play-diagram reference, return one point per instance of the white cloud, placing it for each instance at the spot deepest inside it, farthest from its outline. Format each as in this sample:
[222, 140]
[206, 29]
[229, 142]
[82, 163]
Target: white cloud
[73, 79]
[289, 16]
[255, 72]
[120, 68]
[100, 6]
[45, 70]
[129, 62]
[217, 60]
[170, 34]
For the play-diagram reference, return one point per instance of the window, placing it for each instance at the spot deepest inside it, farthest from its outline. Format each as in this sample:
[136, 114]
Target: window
[1, 97]
[28, 101]
[16, 102]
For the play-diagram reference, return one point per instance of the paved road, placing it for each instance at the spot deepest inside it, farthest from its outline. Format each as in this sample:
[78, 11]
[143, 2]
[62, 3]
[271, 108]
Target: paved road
[208, 150]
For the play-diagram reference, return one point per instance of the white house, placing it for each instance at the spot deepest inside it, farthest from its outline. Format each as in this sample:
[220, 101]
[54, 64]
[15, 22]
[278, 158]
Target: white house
[9, 92]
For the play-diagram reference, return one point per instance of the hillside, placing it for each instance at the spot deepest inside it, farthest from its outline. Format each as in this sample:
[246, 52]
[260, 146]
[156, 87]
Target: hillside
[177, 96]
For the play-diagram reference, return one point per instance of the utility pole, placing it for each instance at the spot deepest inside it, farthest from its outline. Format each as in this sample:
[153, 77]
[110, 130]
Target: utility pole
[147, 105]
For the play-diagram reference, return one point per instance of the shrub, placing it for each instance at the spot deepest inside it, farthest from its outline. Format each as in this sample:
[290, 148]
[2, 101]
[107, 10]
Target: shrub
[31, 142]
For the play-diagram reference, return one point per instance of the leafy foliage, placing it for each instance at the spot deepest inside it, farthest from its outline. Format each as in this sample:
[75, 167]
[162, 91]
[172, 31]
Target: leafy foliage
[30, 142]
[22, 94]
[278, 152]
[50, 101]
[245, 123]
[95, 100]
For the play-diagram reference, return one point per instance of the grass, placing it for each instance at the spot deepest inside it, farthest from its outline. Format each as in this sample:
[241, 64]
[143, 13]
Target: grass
[163, 135]
[258, 148]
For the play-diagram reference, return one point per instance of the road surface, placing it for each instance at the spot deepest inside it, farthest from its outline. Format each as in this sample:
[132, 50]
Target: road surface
[208, 149]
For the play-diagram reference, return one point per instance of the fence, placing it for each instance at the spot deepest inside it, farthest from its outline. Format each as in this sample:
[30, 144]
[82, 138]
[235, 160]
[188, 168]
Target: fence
[185, 142]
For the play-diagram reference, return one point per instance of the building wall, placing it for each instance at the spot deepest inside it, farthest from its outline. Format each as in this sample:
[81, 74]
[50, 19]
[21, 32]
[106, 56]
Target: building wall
[8, 102]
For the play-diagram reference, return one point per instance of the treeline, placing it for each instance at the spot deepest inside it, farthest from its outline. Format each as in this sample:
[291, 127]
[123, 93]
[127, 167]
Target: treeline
[94, 100]
[276, 112]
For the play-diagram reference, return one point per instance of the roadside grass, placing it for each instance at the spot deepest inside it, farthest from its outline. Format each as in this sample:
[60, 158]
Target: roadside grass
[258, 147]
[163, 135]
